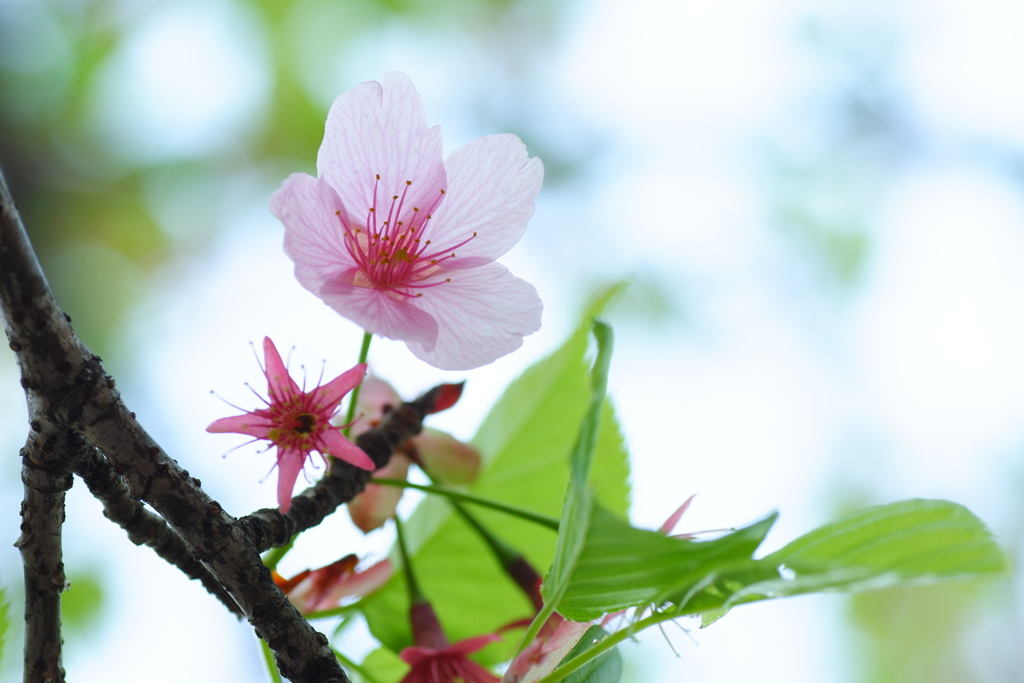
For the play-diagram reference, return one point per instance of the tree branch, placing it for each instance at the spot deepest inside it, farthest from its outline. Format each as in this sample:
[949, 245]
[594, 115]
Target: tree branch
[65, 386]
[45, 478]
[143, 526]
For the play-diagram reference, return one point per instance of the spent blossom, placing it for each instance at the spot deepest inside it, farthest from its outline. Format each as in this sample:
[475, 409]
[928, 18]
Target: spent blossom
[439, 453]
[298, 422]
[324, 588]
[402, 241]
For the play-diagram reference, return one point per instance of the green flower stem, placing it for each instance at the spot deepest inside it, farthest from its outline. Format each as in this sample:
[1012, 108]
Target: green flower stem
[275, 555]
[452, 494]
[333, 612]
[505, 553]
[513, 562]
[415, 595]
[539, 620]
[605, 645]
[268, 658]
[353, 401]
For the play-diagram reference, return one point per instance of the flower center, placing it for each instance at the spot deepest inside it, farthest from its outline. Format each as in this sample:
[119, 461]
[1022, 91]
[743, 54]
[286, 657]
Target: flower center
[394, 254]
[304, 423]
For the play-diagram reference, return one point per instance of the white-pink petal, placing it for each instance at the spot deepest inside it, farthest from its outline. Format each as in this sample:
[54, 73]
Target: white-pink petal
[375, 311]
[482, 314]
[377, 503]
[313, 233]
[446, 458]
[380, 128]
[492, 187]
[374, 396]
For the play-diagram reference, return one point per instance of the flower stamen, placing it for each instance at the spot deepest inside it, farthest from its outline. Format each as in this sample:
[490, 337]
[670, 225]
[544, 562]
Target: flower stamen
[391, 255]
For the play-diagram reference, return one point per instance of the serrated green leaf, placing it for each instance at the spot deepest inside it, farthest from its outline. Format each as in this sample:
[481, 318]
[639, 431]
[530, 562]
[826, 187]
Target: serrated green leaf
[579, 500]
[621, 566]
[524, 443]
[906, 543]
[909, 542]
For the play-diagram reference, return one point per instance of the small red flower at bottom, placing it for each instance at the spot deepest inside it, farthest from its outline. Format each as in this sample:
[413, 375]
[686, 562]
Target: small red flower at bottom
[433, 660]
[298, 422]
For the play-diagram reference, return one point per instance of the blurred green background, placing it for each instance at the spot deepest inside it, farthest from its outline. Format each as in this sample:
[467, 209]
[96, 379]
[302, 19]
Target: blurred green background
[820, 209]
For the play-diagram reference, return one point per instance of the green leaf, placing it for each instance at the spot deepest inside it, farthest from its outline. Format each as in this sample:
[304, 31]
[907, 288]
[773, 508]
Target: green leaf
[910, 542]
[621, 566]
[606, 668]
[579, 501]
[524, 443]
[379, 666]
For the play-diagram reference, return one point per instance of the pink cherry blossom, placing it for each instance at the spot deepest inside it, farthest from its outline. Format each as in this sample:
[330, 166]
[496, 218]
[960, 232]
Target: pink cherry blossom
[403, 242]
[298, 422]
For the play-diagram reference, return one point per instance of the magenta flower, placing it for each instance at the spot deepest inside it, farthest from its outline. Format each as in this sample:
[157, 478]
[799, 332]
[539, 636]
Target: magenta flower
[298, 422]
[403, 242]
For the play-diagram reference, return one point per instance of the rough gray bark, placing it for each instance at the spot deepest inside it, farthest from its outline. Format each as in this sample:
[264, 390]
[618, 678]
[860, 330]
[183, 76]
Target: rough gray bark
[45, 479]
[79, 423]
